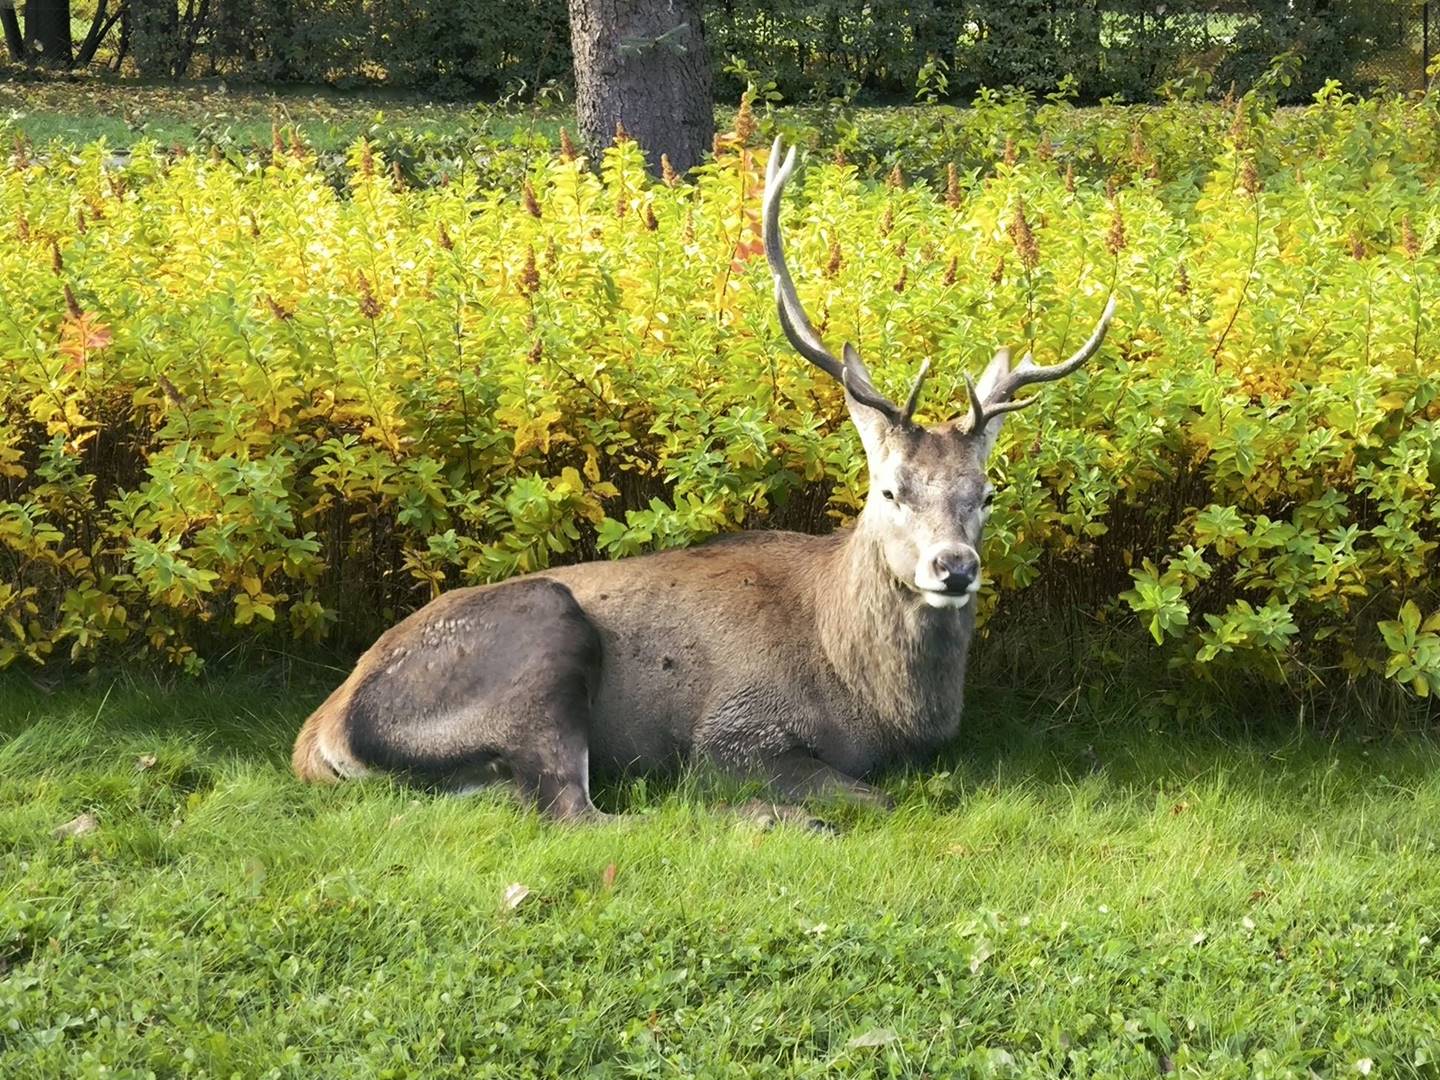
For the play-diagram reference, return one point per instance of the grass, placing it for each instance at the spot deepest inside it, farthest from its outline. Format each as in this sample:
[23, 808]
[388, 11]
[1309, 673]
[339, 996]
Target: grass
[1062, 896]
[81, 110]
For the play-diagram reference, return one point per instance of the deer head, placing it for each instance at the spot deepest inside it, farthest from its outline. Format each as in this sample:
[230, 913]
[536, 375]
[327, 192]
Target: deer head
[929, 496]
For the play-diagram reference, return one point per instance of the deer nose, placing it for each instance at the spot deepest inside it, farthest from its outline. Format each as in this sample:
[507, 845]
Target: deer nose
[956, 570]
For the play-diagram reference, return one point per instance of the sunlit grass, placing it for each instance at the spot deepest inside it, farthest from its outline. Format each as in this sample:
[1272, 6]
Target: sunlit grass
[1063, 893]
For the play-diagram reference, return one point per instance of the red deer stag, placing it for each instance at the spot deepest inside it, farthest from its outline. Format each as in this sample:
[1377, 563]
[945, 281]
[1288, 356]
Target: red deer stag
[804, 662]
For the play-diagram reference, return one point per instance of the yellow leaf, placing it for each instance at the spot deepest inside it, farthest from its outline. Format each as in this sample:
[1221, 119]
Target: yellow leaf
[1392, 401]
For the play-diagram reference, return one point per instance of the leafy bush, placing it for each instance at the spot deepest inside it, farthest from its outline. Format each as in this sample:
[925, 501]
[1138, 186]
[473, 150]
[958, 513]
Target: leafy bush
[239, 401]
[879, 49]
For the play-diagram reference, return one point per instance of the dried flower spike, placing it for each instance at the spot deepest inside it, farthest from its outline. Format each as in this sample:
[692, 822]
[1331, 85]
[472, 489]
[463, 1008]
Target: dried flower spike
[369, 306]
[529, 275]
[896, 179]
[1023, 238]
[567, 148]
[1249, 177]
[835, 261]
[1237, 125]
[527, 198]
[745, 126]
[1115, 240]
[667, 171]
[952, 186]
[1408, 240]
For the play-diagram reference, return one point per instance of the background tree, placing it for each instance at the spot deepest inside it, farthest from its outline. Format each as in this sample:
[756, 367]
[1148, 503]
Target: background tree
[643, 64]
[10, 22]
[47, 31]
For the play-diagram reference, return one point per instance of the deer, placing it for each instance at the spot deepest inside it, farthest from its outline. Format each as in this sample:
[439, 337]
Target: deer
[804, 662]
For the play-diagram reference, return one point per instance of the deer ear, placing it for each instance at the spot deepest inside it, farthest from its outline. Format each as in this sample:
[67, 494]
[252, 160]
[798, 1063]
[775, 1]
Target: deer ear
[996, 370]
[870, 417]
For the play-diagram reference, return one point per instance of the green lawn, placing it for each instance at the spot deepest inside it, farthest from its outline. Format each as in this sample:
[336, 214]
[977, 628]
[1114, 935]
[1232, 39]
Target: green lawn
[82, 110]
[1067, 895]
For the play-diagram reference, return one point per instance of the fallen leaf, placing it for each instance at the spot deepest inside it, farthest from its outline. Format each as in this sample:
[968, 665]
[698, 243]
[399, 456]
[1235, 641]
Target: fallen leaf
[607, 877]
[145, 761]
[79, 826]
[875, 1037]
[1179, 808]
[514, 896]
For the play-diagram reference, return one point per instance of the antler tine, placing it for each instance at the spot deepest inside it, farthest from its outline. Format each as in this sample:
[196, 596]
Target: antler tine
[1027, 373]
[792, 316]
[914, 399]
[982, 412]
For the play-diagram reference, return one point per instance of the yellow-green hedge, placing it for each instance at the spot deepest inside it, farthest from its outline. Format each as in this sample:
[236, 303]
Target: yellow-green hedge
[237, 401]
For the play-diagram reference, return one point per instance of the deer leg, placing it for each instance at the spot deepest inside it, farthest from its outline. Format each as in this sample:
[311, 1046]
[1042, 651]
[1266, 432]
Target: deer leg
[552, 767]
[494, 681]
[800, 776]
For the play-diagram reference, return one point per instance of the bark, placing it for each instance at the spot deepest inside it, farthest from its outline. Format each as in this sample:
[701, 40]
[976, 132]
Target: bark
[643, 63]
[14, 39]
[47, 31]
[100, 26]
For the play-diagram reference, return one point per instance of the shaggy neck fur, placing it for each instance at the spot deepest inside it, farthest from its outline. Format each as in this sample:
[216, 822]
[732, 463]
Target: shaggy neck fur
[903, 660]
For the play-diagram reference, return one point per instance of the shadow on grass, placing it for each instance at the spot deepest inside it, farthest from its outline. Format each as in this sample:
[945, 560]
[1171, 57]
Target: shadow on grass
[251, 713]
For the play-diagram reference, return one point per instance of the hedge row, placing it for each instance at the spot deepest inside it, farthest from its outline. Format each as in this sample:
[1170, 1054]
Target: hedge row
[235, 400]
[811, 51]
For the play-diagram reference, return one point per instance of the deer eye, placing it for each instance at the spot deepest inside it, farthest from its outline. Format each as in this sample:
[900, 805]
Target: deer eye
[886, 493]
[989, 498]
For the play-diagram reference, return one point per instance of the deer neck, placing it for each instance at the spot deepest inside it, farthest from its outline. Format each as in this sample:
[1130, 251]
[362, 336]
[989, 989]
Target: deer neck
[902, 660]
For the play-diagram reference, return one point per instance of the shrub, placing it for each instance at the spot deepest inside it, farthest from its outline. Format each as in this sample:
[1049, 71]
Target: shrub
[239, 401]
[812, 51]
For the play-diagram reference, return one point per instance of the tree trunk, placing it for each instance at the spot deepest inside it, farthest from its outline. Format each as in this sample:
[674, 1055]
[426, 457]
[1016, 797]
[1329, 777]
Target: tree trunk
[14, 39]
[643, 63]
[47, 31]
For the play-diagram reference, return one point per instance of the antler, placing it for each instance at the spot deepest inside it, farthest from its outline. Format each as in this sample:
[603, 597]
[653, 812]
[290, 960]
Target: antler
[850, 372]
[1000, 398]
